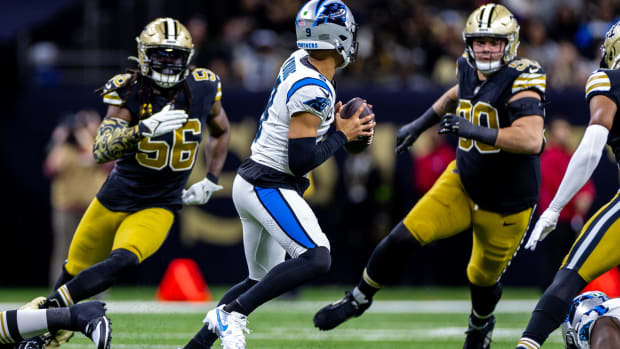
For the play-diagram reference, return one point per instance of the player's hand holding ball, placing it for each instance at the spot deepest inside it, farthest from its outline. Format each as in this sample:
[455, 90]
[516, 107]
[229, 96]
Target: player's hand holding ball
[357, 121]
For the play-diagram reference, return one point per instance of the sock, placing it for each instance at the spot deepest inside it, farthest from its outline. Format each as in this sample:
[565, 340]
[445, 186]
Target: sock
[527, 343]
[16, 325]
[285, 277]
[553, 306]
[236, 307]
[483, 300]
[95, 279]
[63, 278]
[387, 261]
[366, 288]
[205, 338]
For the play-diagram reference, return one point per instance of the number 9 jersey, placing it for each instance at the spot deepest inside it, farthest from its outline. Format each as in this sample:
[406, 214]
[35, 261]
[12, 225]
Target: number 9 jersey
[495, 179]
[156, 171]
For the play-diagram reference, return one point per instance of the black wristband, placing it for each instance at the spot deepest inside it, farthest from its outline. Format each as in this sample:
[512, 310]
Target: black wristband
[212, 177]
[426, 120]
[485, 135]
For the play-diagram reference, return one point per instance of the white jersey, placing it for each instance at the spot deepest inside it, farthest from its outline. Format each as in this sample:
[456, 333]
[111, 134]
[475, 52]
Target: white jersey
[584, 326]
[299, 87]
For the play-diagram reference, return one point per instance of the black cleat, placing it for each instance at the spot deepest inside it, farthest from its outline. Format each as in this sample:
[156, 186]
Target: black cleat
[479, 337]
[334, 314]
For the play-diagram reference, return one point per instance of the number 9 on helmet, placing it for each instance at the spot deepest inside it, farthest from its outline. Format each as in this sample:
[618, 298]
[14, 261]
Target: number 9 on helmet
[327, 25]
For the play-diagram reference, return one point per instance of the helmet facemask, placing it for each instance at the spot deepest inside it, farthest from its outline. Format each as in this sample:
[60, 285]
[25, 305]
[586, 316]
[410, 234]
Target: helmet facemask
[610, 49]
[487, 67]
[165, 49]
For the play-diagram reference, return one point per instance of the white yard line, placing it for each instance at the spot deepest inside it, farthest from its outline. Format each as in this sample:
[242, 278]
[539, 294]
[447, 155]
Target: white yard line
[388, 307]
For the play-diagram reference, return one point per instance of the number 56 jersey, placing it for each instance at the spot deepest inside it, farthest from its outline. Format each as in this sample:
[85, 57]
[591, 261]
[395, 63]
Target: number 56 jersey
[156, 171]
[495, 179]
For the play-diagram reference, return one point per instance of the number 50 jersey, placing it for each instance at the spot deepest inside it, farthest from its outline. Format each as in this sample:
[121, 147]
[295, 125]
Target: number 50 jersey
[156, 171]
[497, 180]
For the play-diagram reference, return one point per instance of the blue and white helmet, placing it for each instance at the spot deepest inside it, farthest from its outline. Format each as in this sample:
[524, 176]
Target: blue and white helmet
[576, 327]
[327, 25]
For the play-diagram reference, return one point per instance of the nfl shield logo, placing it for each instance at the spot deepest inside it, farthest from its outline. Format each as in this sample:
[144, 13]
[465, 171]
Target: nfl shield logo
[302, 22]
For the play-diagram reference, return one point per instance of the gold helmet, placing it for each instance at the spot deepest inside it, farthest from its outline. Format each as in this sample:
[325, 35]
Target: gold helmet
[610, 49]
[494, 21]
[164, 50]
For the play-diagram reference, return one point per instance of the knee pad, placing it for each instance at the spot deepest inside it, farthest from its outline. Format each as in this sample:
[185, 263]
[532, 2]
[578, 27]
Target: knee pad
[319, 258]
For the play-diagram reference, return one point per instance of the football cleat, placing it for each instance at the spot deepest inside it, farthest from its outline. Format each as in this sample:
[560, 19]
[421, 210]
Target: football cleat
[334, 314]
[230, 327]
[93, 322]
[479, 337]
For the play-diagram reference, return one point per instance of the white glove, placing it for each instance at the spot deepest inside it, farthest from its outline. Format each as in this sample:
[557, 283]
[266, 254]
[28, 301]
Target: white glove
[162, 122]
[545, 225]
[200, 192]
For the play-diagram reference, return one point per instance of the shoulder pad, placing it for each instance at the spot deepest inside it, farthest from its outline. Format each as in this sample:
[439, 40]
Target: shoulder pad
[109, 90]
[203, 75]
[530, 76]
[598, 82]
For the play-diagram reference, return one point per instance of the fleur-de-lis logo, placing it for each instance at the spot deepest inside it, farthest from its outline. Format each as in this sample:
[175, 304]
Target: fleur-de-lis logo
[146, 110]
[612, 31]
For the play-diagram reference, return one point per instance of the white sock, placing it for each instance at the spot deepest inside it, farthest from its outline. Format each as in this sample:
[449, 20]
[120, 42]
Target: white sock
[29, 323]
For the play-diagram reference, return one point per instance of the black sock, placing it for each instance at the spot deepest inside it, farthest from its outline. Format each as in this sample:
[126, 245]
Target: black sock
[59, 318]
[63, 278]
[205, 337]
[387, 261]
[95, 279]
[554, 304]
[483, 301]
[285, 277]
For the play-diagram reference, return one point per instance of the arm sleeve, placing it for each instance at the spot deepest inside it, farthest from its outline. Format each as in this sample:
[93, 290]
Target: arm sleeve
[304, 154]
[581, 165]
[114, 138]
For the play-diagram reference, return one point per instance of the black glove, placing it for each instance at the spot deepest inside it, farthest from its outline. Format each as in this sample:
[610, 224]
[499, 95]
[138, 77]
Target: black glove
[461, 127]
[408, 133]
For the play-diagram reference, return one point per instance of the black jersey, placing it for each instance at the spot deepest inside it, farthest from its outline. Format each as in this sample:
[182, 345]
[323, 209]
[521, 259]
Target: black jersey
[606, 82]
[155, 173]
[497, 180]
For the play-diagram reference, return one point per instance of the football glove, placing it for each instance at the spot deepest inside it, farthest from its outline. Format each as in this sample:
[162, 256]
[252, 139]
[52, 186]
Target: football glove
[162, 122]
[545, 225]
[454, 124]
[200, 192]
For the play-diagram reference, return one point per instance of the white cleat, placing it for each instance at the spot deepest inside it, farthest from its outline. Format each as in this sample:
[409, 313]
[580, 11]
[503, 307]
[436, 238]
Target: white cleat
[230, 327]
[99, 330]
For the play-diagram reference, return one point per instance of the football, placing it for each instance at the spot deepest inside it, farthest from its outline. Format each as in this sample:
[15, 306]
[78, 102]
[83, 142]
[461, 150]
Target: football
[361, 143]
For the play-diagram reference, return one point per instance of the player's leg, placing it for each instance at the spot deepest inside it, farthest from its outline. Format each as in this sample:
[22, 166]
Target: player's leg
[593, 253]
[605, 333]
[138, 236]
[254, 234]
[89, 318]
[496, 238]
[442, 212]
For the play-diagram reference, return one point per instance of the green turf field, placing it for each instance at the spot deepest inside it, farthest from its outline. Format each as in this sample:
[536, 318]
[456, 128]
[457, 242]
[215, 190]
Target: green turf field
[400, 318]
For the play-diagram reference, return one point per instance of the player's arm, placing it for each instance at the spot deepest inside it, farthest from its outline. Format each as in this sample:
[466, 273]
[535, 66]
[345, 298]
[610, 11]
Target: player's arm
[408, 133]
[581, 166]
[216, 148]
[115, 137]
[218, 139]
[304, 153]
[525, 134]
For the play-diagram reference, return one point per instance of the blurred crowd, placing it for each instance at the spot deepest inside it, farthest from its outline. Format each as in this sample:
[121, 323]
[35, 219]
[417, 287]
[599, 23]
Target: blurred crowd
[403, 43]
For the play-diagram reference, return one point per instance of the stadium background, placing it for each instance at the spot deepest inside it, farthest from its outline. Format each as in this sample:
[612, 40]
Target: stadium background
[54, 54]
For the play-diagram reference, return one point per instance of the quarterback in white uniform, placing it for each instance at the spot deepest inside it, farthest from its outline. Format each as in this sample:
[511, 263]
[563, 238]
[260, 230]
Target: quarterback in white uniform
[593, 322]
[293, 138]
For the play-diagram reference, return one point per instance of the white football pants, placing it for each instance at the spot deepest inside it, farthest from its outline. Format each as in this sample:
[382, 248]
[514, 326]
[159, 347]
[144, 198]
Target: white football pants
[275, 221]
